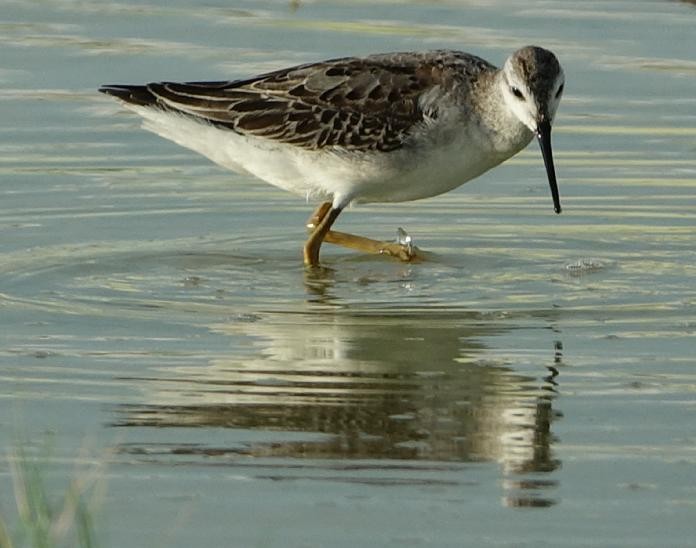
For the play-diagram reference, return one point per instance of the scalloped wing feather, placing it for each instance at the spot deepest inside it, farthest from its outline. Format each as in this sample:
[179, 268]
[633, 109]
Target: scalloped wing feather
[370, 103]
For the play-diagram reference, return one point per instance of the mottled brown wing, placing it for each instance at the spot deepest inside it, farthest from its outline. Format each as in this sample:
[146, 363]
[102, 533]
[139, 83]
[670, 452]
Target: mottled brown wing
[354, 103]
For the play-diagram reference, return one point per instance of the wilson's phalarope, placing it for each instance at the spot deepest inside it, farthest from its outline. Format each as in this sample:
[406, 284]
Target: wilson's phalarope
[385, 128]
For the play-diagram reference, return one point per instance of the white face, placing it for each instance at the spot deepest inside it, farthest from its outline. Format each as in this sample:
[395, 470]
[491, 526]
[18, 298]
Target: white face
[520, 99]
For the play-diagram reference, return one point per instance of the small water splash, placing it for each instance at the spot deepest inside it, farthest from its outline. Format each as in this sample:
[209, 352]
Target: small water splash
[404, 238]
[585, 265]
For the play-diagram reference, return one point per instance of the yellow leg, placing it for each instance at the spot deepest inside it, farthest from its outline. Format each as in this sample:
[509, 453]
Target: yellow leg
[316, 237]
[320, 232]
[368, 245]
[316, 217]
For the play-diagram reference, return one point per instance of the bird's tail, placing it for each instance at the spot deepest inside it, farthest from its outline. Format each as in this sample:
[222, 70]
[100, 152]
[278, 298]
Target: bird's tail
[134, 95]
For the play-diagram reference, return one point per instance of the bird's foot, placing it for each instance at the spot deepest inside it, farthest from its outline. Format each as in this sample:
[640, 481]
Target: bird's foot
[402, 249]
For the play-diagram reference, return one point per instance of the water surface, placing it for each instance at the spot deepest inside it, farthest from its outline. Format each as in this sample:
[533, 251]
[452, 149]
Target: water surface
[534, 376]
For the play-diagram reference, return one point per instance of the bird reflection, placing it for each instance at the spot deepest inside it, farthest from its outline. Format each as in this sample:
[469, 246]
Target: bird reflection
[407, 386]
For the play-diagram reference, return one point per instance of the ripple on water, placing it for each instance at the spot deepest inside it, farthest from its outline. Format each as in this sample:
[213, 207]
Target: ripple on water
[524, 339]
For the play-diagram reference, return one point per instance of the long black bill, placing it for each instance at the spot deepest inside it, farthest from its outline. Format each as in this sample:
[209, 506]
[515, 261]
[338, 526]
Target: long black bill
[543, 134]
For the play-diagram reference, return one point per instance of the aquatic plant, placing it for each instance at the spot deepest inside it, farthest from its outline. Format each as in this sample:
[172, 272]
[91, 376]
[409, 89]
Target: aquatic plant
[44, 521]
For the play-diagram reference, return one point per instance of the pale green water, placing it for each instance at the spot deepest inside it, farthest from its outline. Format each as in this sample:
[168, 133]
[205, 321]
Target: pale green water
[155, 305]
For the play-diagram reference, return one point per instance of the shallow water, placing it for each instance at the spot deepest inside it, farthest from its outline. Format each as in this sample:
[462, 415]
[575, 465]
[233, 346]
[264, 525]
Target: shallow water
[155, 310]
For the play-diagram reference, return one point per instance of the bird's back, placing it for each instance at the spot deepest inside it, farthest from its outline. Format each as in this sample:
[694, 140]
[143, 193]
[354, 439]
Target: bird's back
[357, 104]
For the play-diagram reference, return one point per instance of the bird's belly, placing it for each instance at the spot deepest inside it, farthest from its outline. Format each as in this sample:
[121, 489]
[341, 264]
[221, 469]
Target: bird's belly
[410, 173]
[429, 173]
[285, 166]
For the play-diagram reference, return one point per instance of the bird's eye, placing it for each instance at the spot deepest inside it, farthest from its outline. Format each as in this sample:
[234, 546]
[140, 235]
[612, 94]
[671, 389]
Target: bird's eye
[560, 91]
[517, 93]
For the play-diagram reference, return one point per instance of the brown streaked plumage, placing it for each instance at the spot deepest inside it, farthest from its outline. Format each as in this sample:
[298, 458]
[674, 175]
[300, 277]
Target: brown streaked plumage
[356, 104]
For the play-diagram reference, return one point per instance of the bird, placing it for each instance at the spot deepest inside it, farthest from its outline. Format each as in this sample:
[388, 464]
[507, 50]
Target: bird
[389, 127]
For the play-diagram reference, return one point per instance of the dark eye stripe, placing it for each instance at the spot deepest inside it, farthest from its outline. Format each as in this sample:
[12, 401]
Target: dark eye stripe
[560, 90]
[517, 93]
